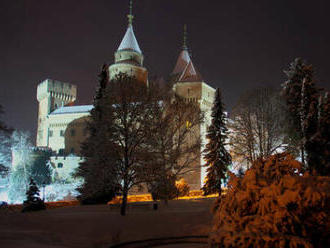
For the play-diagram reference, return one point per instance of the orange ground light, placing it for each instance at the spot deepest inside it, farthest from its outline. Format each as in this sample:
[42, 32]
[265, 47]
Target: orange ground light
[193, 194]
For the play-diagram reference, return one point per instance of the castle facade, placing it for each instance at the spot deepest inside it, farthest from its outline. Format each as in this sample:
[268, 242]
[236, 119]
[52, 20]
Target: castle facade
[62, 125]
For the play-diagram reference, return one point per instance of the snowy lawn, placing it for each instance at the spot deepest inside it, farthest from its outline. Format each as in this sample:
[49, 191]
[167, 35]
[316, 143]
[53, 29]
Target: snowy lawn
[101, 225]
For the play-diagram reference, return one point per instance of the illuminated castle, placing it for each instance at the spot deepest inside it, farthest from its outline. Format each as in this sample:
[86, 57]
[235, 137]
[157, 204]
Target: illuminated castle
[61, 126]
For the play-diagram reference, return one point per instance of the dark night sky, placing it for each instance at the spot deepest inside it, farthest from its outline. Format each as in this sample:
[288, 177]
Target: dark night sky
[236, 45]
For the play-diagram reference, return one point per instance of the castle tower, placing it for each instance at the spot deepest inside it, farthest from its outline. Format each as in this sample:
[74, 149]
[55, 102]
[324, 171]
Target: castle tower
[129, 57]
[191, 86]
[51, 94]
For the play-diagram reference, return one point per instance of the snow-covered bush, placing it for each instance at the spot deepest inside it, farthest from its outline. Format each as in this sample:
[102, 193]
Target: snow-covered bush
[275, 204]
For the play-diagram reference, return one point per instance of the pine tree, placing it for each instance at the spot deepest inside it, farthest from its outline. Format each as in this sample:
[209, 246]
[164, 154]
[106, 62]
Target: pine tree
[300, 98]
[306, 107]
[318, 145]
[97, 169]
[217, 157]
[33, 201]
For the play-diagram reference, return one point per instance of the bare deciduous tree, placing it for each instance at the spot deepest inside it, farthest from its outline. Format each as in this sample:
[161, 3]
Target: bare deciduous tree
[174, 142]
[129, 102]
[257, 124]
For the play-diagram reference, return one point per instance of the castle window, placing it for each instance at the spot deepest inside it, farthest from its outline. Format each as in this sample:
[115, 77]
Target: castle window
[72, 132]
[50, 133]
[62, 133]
[60, 165]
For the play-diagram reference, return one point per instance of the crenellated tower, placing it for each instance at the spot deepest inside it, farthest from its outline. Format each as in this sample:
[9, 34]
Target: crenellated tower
[51, 94]
[129, 57]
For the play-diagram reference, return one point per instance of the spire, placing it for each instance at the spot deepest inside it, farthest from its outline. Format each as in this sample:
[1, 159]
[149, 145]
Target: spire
[130, 15]
[185, 37]
[129, 41]
[184, 67]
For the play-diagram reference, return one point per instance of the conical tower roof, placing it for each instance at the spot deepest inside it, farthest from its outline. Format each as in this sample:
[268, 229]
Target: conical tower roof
[190, 74]
[182, 62]
[129, 41]
[184, 66]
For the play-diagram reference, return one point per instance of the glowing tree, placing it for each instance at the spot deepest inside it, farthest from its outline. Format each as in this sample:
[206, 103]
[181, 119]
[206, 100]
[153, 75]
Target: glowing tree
[257, 125]
[21, 161]
[275, 204]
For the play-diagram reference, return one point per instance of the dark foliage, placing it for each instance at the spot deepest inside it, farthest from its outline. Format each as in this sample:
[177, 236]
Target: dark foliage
[100, 184]
[318, 145]
[298, 72]
[167, 188]
[33, 201]
[217, 157]
[129, 102]
[307, 106]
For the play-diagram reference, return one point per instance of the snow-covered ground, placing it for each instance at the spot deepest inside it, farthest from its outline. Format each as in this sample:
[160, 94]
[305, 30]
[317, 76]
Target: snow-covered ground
[101, 225]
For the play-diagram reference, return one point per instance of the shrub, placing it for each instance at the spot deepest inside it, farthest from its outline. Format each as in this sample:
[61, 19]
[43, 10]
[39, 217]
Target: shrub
[275, 204]
[182, 188]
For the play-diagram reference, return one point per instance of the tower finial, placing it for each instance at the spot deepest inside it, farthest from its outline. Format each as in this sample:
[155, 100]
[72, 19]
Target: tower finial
[185, 37]
[130, 15]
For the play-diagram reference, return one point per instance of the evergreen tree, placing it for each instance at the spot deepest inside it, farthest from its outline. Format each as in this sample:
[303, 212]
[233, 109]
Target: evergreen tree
[301, 96]
[318, 146]
[97, 170]
[33, 201]
[309, 119]
[217, 157]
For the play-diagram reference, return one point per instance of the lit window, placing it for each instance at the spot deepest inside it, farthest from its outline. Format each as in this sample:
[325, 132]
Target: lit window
[59, 165]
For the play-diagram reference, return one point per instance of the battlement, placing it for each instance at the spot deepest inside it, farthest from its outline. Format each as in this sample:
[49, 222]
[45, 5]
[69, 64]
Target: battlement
[53, 88]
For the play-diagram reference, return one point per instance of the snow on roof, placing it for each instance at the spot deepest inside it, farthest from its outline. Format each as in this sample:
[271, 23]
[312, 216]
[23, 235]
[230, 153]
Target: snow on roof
[182, 62]
[129, 41]
[73, 109]
[190, 74]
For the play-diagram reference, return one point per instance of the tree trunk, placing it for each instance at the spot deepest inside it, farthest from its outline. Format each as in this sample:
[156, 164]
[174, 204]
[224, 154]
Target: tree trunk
[302, 150]
[220, 192]
[124, 202]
